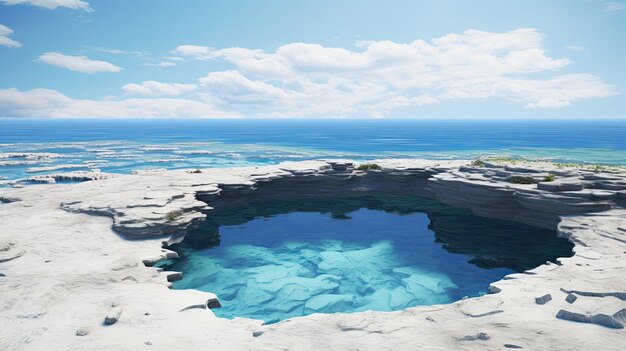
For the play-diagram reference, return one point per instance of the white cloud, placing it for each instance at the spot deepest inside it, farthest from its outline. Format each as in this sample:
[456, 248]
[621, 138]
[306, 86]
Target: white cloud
[374, 78]
[301, 79]
[173, 58]
[167, 61]
[160, 64]
[77, 63]
[575, 48]
[51, 103]
[5, 32]
[235, 87]
[556, 92]
[117, 51]
[614, 7]
[154, 88]
[52, 4]
[195, 51]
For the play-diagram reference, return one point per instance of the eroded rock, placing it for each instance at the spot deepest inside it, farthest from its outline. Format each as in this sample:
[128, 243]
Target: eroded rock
[174, 276]
[8, 199]
[599, 319]
[543, 299]
[8, 251]
[83, 331]
[477, 336]
[596, 237]
[213, 303]
[113, 316]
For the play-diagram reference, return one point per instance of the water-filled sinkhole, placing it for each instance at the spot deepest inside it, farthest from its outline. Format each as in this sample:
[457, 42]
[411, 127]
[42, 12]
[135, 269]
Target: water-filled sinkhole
[273, 260]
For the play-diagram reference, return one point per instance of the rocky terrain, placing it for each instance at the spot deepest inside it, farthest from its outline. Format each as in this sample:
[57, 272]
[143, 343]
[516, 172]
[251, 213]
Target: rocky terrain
[76, 261]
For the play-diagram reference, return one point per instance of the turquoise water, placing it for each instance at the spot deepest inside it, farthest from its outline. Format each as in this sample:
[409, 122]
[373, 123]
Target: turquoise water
[120, 146]
[273, 261]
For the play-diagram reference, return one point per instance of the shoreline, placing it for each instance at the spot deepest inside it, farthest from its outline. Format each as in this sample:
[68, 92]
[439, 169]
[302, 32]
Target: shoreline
[73, 262]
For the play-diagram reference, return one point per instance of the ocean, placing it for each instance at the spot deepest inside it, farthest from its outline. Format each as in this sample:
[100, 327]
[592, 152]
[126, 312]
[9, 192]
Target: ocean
[123, 145]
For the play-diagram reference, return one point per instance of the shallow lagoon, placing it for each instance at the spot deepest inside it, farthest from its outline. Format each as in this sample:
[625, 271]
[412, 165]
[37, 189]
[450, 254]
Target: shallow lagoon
[273, 261]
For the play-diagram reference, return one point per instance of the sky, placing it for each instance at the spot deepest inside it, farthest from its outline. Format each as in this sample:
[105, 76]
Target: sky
[313, 59]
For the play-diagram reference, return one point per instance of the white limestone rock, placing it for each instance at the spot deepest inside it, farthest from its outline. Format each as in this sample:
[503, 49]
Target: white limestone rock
[83, 331]
[73, 229]
[113, 315]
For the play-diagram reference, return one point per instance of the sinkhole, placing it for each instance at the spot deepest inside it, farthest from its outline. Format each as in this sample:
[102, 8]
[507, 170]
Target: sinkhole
[272, 259]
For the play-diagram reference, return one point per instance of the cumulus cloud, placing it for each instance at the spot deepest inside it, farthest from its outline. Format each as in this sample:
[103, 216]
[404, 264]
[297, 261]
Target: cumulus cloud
[195, 51]
[377, 77]
[81, 64]
[5, 32]
[373, 78]
[555, 92]
[52, 4]
[234, 87]
[154, 88]
[51, 103]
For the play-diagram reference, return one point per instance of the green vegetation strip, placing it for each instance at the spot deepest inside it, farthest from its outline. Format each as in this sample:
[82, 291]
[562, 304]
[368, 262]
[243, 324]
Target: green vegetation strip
[369, 166]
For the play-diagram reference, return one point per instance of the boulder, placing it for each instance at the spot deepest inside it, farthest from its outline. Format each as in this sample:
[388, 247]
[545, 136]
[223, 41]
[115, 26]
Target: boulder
[542, 300]
[571, 298]
[113, 316]
[213, 303]
[82, 331]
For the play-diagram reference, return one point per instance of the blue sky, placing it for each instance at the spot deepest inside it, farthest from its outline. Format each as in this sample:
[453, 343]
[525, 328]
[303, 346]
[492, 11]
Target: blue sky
[392, 59]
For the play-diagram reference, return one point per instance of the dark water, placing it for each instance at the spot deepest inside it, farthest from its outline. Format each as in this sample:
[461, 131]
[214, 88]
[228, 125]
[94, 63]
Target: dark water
[274, 260]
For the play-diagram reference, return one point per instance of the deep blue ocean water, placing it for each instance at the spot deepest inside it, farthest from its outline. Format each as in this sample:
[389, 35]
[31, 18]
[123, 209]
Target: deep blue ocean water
[120, 146]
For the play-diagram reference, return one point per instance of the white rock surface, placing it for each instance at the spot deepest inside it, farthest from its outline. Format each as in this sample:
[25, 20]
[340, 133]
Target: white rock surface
[76, 261]
[113, 316]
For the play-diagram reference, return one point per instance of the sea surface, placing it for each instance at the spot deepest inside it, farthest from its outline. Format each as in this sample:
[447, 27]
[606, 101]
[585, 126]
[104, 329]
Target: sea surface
[120, 146]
